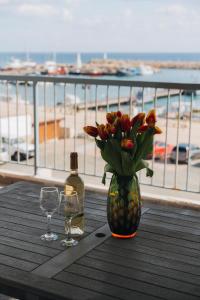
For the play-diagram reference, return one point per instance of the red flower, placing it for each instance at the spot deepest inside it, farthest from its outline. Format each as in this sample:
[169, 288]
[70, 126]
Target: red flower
[151, 118]
[111, 117]
[103, 131]
[113, 129]
[143, 128]
[125, 123]
[139, 118]
[119, 114]
[91, 130]
[127, 144]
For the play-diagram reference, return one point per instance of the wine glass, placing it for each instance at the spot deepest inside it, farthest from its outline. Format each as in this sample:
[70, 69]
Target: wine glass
[69, 208]
[49, 203]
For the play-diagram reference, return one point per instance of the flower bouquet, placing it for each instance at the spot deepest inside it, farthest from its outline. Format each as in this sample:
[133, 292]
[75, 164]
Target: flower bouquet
[125, 143]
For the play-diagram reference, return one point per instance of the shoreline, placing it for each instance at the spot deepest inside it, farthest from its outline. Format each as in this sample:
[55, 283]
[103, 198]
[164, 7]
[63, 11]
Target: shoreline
[98, 67]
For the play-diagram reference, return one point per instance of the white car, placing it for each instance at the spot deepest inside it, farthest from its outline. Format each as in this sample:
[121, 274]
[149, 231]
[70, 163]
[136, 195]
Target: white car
[186, 153]
[18, 149]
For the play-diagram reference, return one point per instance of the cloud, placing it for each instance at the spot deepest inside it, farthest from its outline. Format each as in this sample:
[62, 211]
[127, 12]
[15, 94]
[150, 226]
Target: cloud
[3, 2]
[67, 15]
[174, 9]
[128, 12]
[37, 10]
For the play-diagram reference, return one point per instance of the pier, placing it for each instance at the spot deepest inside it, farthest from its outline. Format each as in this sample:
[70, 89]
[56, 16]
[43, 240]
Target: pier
[126, 100]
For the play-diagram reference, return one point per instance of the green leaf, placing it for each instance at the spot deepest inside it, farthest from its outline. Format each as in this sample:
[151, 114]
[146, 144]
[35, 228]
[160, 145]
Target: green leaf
[144, 146]
[126, 163]
[142, 165]
[118, 134]
[100, 144]
[136, 126]
[149, 172]
[111, 153]
[109, 169]
[132, 135]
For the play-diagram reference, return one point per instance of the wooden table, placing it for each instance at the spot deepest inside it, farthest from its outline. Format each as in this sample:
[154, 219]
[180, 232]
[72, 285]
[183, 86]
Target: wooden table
[162, 262]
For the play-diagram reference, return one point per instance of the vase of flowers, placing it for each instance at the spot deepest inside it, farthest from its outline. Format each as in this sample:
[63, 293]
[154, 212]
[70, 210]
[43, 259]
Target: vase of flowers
[125, 143]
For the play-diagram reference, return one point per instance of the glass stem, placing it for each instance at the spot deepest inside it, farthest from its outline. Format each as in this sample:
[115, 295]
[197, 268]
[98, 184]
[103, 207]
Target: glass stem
[68, 228]
[49, 224]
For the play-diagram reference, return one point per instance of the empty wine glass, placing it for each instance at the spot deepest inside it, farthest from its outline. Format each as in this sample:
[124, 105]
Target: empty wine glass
[49, 203]
[69, 208]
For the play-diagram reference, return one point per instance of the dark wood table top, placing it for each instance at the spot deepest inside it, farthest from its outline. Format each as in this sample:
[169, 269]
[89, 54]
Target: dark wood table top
[161, 262]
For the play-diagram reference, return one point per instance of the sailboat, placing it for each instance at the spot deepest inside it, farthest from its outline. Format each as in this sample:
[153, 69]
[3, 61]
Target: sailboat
[28, 63]
[78, 61]
[77, 69]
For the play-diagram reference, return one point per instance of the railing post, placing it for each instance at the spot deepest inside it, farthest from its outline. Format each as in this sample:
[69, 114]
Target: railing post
[36, 128]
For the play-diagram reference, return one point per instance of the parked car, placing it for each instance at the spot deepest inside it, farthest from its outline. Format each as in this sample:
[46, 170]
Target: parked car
[18, 148]
[3, 154]
[160, 149]
[184, 153]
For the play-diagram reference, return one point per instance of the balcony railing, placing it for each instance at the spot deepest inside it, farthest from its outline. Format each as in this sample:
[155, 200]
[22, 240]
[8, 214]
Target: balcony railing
[41, 121]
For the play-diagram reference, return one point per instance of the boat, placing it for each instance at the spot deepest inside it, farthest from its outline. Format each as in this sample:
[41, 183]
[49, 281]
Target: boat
[127, 72]
[74, 72]
[77, 69]
[145, 70]
[29, 64]
[93, 72]
[50, 67]
[14, 63]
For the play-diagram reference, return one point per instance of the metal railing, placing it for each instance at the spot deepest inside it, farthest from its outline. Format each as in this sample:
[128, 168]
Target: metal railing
[45, 115]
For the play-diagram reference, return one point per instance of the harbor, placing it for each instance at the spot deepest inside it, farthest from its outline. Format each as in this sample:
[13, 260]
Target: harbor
[94, 67]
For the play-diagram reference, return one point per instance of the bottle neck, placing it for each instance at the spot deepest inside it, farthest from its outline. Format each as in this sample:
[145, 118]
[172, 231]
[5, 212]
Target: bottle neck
[74, 171]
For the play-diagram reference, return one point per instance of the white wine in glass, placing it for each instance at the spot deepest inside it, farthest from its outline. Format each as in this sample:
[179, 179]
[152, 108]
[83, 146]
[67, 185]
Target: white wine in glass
[69, 208]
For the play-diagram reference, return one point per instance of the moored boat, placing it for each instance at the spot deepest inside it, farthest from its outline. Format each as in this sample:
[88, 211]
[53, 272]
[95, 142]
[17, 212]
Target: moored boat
[127, 72]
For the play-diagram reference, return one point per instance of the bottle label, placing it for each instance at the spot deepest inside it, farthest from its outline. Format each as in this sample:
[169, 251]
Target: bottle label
[68, 189]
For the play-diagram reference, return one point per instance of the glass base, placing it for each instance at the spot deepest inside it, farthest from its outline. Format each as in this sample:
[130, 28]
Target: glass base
[49, 237]
[75, 230]
[69, 242]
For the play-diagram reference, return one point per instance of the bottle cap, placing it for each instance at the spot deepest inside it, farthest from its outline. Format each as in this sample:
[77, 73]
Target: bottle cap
[73, 160]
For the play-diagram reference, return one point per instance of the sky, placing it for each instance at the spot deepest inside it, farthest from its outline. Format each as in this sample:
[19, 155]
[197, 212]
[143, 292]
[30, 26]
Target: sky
[100, 25]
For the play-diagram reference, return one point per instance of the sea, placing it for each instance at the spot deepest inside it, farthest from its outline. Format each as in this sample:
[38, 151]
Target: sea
[165, 75]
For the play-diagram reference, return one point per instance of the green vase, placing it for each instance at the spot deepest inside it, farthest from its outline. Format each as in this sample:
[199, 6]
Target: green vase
[124, 206]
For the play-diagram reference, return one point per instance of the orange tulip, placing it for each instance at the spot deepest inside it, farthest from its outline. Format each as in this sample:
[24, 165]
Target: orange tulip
[110, 129]
[139, 118]
[151, 118]
[125, 123]
[157, 130]
[113, 129]
[111, 117]
[103, 132]
[91, 130]
[127, 144]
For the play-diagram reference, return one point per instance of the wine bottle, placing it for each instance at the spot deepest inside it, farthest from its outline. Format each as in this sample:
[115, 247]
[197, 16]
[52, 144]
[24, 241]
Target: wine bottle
[75, 183]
